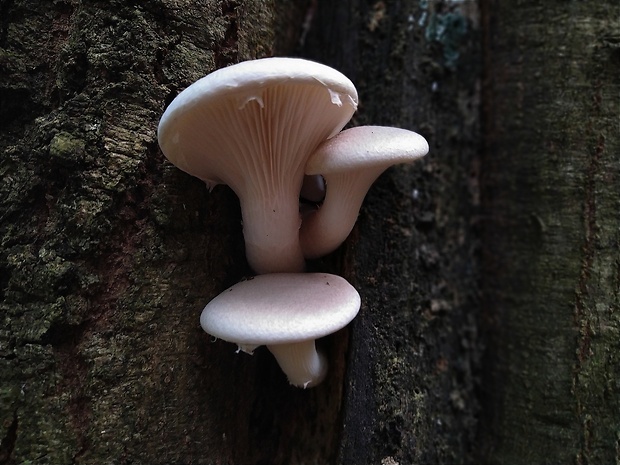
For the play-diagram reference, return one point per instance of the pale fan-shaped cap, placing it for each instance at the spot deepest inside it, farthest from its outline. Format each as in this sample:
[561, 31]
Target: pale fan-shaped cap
[286, 312]
[350, 162]
[252, 126]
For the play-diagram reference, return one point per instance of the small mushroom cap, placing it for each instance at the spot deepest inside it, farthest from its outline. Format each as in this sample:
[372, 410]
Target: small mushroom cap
[281, 308]
[366, 147]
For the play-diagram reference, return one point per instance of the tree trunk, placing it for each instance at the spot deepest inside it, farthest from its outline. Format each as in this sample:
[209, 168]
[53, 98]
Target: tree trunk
[109, 253]
[551, 257]
[410, 380]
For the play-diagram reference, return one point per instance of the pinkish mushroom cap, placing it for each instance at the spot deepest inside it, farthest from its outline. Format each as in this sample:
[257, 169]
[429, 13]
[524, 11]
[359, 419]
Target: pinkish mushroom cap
[286, 312]
[252, 126]
[350, 162]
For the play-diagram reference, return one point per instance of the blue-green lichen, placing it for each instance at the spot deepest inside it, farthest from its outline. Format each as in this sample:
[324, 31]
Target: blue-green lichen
[448, 28]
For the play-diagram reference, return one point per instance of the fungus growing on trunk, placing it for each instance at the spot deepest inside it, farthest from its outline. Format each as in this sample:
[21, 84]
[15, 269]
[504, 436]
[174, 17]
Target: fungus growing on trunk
[253, 126]
[350, 162]
[286, 312]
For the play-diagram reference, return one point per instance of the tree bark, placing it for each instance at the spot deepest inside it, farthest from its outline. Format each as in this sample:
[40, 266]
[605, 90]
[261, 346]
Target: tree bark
[550, 226]
[109, 253]
[409, 396]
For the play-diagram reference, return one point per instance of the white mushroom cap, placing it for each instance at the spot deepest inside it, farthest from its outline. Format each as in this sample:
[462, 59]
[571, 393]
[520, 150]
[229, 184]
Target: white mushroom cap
[252, 126]
[350, 162]
[286, 312]
[281, 308]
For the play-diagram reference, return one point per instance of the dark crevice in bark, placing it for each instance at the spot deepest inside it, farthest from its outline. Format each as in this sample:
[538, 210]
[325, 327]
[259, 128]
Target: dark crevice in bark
[227, 52]
[8, 441]
[489, 320]
[5, 19]
[65, 340]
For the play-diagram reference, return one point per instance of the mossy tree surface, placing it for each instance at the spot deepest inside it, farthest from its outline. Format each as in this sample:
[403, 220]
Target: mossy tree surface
[109, 253]
[551, 195]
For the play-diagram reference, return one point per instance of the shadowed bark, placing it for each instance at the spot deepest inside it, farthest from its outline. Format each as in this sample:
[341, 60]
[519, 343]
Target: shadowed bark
[409, 396]
[551, 241]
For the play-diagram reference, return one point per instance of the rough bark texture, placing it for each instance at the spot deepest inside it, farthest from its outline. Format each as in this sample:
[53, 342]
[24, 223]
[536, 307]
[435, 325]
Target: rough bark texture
[551, 195]
[108, 253]
[409, 396]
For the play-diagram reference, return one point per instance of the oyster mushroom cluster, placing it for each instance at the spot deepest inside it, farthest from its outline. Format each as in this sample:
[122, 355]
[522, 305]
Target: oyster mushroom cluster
[272, 130]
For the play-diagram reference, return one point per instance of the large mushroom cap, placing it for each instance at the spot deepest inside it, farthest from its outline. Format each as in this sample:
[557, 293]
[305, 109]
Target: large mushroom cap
[253, 126]
[249, 113]
[281, 308]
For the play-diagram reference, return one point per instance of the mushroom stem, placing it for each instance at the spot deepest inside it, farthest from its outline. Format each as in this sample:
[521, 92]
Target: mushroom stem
[301, 362]
[325, 229]
[271, 233]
